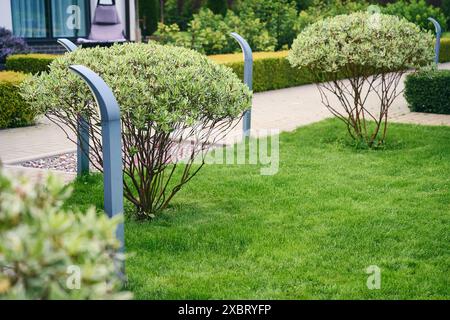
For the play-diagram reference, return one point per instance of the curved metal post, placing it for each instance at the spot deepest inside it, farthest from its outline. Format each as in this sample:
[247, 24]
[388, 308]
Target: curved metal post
[111, 143]
[437, 46]
[248, 78]
[67, 44]
[83, 126]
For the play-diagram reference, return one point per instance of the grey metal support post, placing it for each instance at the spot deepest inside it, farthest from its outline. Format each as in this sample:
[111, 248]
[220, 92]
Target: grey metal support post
[67, 44]
[111, 142]
[83, 126]
[248, 78]
[437, 46]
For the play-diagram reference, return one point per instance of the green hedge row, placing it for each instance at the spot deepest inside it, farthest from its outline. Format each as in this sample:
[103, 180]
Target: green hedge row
[271, 69]
[272, 74]
[14, 111]
[428, 91]
[29, 63]
[444, 53]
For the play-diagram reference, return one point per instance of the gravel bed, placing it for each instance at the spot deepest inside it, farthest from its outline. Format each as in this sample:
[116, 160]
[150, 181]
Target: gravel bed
[68, 162]
[65, 162]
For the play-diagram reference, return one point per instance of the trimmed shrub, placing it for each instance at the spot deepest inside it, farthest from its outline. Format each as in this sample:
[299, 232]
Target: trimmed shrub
[14, 111]
[43, 247]
[428, 91]
[444, 53]
[372, 51]
[9, 44]
[271, 70]
[29, 63]
[167, 95]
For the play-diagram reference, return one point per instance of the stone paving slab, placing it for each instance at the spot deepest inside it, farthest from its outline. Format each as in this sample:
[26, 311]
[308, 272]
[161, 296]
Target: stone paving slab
[429, 119]
[29, 143]
[36, 175]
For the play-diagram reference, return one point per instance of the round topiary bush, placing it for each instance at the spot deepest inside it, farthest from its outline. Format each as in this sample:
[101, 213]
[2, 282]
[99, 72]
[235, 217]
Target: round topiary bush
[175, 104]
[371, 52]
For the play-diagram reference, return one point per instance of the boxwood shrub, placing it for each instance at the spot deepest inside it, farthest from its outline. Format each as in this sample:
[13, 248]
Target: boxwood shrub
[14, 111]
[271, 70]
[29, 63]
[444, 53]
[428, 91]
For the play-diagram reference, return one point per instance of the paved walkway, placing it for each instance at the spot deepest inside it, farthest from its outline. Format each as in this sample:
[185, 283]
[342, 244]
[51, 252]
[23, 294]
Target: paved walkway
[424, 119]
[285, 110]
[39, 174]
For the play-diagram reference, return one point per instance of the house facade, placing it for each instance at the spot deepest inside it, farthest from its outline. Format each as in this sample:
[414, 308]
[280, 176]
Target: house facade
[42, 22]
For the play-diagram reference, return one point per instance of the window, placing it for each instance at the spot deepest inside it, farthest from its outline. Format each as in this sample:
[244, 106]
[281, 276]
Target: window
[48, 19]
[29, 18]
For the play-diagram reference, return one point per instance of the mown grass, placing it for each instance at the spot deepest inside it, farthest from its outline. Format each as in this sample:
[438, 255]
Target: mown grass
[308, 232]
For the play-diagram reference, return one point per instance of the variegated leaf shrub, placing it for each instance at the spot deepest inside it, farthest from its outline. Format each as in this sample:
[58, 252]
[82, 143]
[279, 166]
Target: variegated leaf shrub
[175, 104]
[47, 252]
[362, 56]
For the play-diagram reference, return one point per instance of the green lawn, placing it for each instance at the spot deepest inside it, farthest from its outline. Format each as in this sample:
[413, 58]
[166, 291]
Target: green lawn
[308, 232]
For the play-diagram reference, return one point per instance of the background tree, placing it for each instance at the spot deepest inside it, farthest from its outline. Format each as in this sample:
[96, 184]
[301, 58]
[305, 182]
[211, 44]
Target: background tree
[149, 12]
[279, 16]
[218, 6]
[416, 11]
[181, 11]
[446, 11]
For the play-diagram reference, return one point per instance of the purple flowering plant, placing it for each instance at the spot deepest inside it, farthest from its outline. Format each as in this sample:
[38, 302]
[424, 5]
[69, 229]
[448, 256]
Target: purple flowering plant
[10, 44]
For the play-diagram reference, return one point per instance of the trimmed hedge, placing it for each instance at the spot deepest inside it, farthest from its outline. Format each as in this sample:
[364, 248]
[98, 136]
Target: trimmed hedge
[271, 70]
[29, 63]
[444, 53]
[14, 111]
[428, 91]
